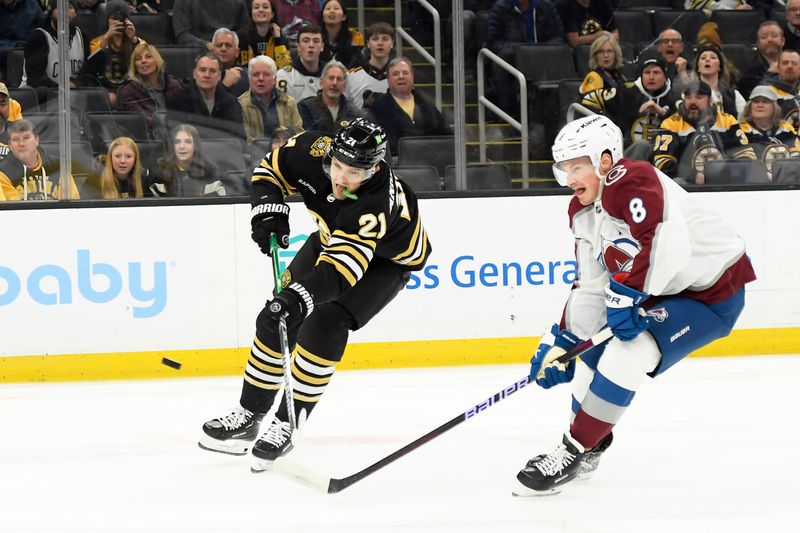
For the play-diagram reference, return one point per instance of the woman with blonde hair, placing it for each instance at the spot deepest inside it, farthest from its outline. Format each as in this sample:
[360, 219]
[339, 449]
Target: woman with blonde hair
[121, 176]
[149, 86]
[605, 60]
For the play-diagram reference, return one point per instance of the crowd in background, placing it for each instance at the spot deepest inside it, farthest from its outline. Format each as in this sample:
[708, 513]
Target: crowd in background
[263, 70]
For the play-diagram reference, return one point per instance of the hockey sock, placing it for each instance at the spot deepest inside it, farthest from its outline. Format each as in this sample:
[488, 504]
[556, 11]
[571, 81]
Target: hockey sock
[263, 377]
[310, 375]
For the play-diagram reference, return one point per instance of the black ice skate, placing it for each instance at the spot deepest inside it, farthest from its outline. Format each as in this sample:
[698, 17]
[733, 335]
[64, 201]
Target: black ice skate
[232, 433]
[275, 442]
[591, 459]
[545, 474]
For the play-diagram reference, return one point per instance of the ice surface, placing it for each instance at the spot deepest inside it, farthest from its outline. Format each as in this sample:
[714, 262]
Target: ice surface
[709, 446]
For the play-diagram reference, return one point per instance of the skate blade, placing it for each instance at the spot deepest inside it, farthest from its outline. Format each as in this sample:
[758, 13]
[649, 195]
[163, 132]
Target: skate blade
[521, 491]
[237, 447]
[261, 465]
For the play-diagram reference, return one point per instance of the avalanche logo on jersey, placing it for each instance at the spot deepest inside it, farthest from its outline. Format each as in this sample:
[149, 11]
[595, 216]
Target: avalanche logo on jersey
[618, 255]
[659, 314]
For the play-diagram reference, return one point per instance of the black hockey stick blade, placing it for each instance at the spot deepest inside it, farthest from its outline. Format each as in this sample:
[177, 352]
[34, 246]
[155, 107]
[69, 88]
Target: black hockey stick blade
[316, 481]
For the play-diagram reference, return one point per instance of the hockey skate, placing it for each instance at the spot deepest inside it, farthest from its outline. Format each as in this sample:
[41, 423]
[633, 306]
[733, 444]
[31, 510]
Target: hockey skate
[275, 442]
[232, 433]
[591, 460]
[545, 474]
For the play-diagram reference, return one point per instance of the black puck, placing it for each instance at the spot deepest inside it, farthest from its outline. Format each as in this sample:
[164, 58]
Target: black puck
[170, 363]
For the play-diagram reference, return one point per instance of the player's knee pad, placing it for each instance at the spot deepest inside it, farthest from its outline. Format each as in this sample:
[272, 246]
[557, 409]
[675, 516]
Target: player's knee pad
[627, 363]
[325, 331]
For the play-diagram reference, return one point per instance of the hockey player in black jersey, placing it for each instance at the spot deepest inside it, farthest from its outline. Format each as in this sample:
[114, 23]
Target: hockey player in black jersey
[369, 240]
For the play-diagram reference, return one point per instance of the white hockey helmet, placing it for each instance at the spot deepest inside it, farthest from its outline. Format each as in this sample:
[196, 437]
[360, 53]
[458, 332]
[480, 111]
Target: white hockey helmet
[588, 136]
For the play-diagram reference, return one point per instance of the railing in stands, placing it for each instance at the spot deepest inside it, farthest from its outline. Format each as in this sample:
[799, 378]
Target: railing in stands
[436, 58]
[520, 125]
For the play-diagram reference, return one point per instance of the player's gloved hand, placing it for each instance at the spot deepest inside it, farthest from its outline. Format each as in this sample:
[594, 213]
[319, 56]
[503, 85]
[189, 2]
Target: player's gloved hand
[622, 308]
[293, 302]
[270, 216]
[545, 370]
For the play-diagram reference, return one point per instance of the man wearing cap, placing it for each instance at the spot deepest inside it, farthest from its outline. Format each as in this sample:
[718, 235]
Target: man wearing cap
[770, 136]
[637, 107]
[696, 133]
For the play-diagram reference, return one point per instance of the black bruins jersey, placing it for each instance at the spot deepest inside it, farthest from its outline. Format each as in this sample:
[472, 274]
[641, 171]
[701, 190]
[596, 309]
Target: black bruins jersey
[779, 142]
[383, 222]
[681, 149]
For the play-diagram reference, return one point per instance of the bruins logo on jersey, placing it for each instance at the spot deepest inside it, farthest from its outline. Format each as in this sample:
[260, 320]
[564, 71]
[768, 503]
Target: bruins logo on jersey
[591, 25]
[320, 147]
[644, 127]
[707, 152]
[773, 152]
[286, 278]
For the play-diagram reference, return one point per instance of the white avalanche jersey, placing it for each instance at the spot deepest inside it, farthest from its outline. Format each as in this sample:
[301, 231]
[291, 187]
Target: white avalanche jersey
[645, 224]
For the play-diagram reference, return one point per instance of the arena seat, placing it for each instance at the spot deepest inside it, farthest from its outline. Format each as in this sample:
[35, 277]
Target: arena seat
[634, 26]
[686, 22]
[738, 26]
[420, 177]
[153, 28]
[735, 172]
[480, 177]
[545, 62]
[434, 150]
[27, 98]
[105, 127]
[786, 170]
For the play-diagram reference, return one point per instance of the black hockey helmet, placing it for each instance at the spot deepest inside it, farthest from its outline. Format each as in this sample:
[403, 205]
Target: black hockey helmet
[360, 144]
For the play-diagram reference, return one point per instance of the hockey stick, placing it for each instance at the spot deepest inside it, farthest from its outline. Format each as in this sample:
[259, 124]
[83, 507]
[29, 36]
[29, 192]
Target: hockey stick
[333, 485]
[283, 336]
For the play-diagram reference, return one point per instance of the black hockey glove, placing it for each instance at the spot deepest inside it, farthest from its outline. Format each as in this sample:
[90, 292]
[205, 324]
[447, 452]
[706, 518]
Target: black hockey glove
[293, 302]
[270, 216]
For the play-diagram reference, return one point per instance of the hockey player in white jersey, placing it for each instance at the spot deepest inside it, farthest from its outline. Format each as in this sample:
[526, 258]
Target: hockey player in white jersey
[665, 273]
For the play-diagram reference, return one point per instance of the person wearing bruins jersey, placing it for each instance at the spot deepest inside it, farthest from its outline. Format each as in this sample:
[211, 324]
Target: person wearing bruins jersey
[369, 240]
[697, 133]
[770, 136]
[638, 107]
[28, 173]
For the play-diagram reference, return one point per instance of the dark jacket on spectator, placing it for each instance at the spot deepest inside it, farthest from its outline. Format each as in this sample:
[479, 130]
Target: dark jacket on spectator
[133, 96]
[509, 27]
[755, 75]
[18, 21]
[317, 116]
[187, 106]
[427, 119]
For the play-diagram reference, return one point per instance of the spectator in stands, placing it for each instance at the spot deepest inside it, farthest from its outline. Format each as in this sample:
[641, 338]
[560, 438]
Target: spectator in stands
[295, 15]
[342, 43]
[363, 84]
[206, 102]
[330, 109]
[708, 6]
[301, 80]
[402, 111]
[515, 22]
[5, 101]
[225, 45]
[711, 67]
[89, 6]
[770, 136]
[786, 86]
[586, 20]
[121, 176]
[791, 28]
[111, 52]
[638, 107]
[262, 36]
[28, 173]
[18, 18]
[149, 86]
[700, 131]
[41, 51]
[263, 108]
[605, 60]
[769, 42]
[184, 171]
[195, 21]
[281, 136]
[670, 47]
